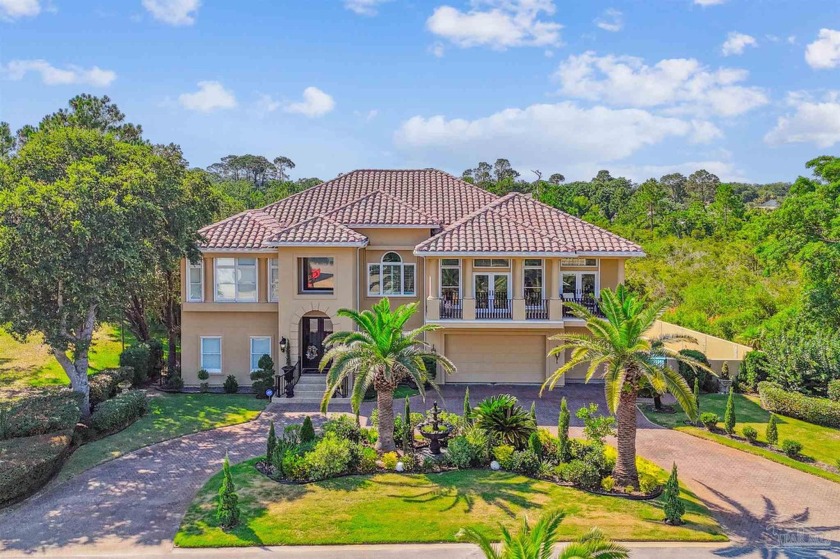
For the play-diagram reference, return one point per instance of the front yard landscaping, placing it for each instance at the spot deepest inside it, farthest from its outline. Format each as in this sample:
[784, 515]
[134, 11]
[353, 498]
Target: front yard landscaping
[403, 508]
[821, 444]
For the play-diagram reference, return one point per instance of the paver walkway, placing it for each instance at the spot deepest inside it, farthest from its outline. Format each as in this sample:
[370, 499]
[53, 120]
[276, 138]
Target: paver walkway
[134, 504]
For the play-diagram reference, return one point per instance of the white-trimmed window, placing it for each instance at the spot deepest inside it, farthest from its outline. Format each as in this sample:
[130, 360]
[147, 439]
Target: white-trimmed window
[211, 354]
[450, 279]
[260, 345]
[316, 274]
[195, 281]
[391, 276]
[273, 280]
[236, 280]
[533, 284]
[491, 263]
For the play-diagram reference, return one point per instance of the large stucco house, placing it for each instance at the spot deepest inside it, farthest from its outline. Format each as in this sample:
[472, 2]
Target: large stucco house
[492, 271]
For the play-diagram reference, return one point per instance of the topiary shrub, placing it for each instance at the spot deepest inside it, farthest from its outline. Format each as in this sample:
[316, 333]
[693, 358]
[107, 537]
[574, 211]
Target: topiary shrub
[563, 431]
[41, 411]
[821, 411]
[709, 420]
[137, 357]
[467, 406]
[581, 474]
[772, 432]
[750, 433]
[389, 460]
[834, 390]
[263, 378]
[673, 506]
[27, 463]
[231, 385]
[792, 448]
[271, 442]
[708, 382]
[535, 445]
[105, 384]
[729, 415]
[227, 511]
[203, 376]
[525, 462]
[307, 430]
[119, 412]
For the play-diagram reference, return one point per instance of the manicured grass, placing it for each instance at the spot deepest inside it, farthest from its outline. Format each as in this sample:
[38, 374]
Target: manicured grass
[31, 363]
[401, 393]
[170, 415]
[395, 508]
[821, 444]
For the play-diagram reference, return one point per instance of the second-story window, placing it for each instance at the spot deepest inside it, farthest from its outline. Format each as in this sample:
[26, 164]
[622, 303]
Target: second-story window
[317, 274]
[195, 281]
[391, 276]
[236, 280]
[450, 279]
[273, 280]
[533, 282]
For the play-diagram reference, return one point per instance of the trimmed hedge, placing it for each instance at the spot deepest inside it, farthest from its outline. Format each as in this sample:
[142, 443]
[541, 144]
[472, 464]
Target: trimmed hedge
[821, 411]
[43, 410]
[118, 413]
[139, 358]
[27, 463]
[834, 390]
[105, 383]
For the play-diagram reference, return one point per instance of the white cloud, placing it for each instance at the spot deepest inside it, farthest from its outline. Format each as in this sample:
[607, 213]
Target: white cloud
[824, 53]
[50, 75]
[211, 95]
[14, 9]
[540, 135]
[315, 103]
[437, 49]
[267, 104]
[725, 170]
[498, 24]
[364, 7]
[173, 12]
[709, 2]
[735, 43]
[814, 121]
[611, 20]
[679, 85]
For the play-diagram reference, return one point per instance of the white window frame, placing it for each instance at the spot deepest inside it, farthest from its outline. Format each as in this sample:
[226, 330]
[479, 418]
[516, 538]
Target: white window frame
[541, 267]
[460, 277]
[494, 263]
[579, 281]
[201, 353]
[273, 276]
[236, 266]
[251, 351]
[402, 265]
[192, 268]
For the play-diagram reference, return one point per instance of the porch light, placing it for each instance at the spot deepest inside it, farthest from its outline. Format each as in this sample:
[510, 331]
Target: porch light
[284, 345]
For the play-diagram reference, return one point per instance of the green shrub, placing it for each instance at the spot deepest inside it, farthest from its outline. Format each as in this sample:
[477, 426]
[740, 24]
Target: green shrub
[504, 456]
[792, 448]
[834, 390]
[772, 432]
[41, 411]
[271, 442]
[535, 445]
[461, 452]
[307, 431]
[330, 457]
[479, 445]
[581, 474]
[119, 412]
[409, 462]
[755, 368]
[608, 483]
[563, 431]
[203, 376]
[367, 459]
[263, 378]
[155, 357]
[709, 420]
[673, 506]
[389, 460]
[750, 434]
[526, 462]
[105, 384]
[708, 382]
[343, 427]
[729, 415]
[227, 511]
[648, 483]
[821, 411]
[504, 420]
[549, 445]
[27, 463]
[231, 385]
[467, 406]
[596, 427]
[803, 361]
[138, 357]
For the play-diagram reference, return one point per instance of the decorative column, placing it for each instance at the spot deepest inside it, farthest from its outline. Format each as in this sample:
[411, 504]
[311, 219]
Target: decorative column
[467, 288]
[432, 269]
[518, 291]
[555, 303]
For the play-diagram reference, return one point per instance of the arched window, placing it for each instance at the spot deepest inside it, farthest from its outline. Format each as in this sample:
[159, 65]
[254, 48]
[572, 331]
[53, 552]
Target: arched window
[391, 276]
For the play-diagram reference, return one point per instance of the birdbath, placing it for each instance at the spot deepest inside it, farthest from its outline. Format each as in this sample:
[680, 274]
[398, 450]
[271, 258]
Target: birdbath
[435, 430]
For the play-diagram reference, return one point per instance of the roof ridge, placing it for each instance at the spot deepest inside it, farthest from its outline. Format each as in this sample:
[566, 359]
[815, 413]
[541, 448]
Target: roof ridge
[407, 205]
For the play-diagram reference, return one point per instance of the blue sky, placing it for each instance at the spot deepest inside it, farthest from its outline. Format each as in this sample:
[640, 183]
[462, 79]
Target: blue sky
[748, 89]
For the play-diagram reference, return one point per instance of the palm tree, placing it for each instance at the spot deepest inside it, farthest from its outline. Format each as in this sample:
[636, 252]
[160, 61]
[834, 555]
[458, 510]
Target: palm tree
[538, 542]
[618, 350]
[379, 354]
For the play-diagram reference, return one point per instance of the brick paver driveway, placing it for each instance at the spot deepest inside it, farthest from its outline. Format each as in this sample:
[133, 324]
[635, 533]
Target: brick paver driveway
[135, 503]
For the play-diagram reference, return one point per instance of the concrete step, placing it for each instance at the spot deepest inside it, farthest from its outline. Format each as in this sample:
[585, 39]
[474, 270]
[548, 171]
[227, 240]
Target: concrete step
[306, 400]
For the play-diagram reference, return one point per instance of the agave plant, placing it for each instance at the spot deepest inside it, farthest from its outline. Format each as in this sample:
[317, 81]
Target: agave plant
[538, 542]
[503, 419]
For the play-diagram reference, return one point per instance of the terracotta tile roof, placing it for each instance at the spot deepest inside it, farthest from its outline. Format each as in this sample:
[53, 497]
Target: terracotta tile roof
[248, 229]
[318, 230]
[378, 208]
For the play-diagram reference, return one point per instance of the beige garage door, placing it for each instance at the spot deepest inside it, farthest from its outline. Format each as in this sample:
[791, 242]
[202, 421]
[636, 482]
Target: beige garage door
[497, 358]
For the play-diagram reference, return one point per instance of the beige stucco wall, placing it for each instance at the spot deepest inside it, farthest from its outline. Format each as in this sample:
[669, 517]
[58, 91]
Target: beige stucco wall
[717, 350]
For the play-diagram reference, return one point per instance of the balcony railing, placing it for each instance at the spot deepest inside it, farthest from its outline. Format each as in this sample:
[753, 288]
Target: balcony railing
[451, 308]
[536, 310]
[589, 303]
[492, 305]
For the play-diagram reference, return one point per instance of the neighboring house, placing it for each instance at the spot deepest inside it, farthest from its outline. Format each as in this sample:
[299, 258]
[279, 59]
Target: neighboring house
[492, 271]
[770, 205]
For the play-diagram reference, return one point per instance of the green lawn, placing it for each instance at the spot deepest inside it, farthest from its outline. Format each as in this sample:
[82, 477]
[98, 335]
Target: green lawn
[170, 415]
[397, 508]
[821, 444]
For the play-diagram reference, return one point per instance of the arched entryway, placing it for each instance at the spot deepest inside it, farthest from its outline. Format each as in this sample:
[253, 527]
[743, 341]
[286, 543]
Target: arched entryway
[315, 326]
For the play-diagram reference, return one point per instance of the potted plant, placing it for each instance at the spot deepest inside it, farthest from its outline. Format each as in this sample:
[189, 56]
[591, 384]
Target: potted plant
[725, 381]
[203, 375]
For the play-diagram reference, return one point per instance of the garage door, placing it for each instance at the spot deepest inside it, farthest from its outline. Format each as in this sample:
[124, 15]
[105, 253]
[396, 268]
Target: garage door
[497, 358]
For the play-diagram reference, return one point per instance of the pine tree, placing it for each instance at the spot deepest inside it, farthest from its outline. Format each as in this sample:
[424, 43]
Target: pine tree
[563, 431]
[227, 512]
[534, 412]
[772, 433]
[272, 442]
[307, 431]
[673, 505]
[535, 444]
[467, 406]
[729, 416]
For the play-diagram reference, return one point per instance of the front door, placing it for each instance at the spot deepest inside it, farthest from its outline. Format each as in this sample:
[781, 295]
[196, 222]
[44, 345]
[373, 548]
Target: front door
[492, 295]
[314, 329]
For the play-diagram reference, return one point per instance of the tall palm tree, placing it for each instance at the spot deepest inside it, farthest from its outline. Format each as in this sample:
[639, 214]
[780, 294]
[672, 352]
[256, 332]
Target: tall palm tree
[617, 350]
[379, 354]
[538, 542]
